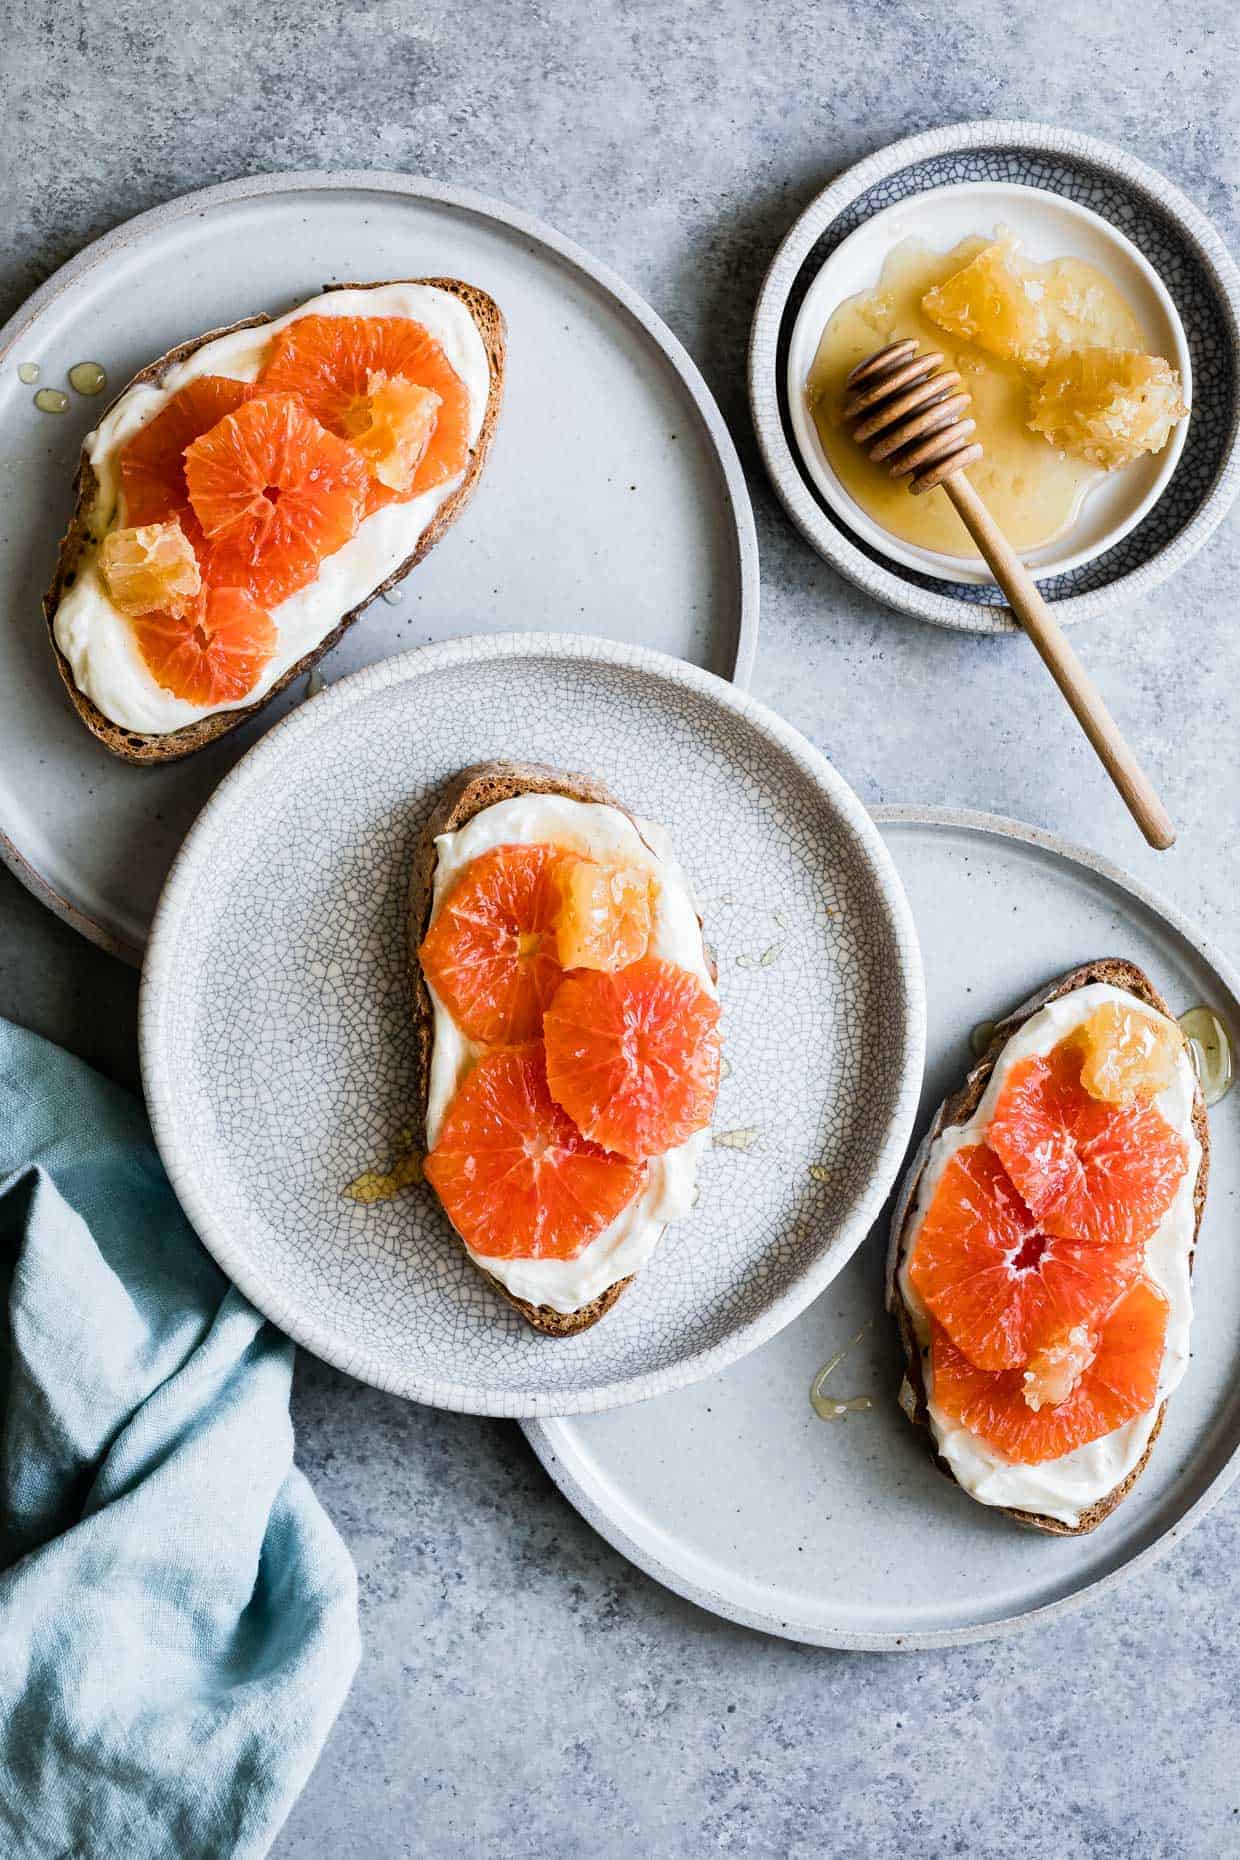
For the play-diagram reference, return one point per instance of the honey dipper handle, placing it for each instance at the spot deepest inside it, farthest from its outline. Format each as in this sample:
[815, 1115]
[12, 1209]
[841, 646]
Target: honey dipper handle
[1060, 660]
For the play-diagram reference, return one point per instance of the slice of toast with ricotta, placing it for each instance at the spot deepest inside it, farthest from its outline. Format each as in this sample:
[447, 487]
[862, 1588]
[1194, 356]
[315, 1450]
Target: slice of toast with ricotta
[956, 1111]
[82, 535]
[467, 795]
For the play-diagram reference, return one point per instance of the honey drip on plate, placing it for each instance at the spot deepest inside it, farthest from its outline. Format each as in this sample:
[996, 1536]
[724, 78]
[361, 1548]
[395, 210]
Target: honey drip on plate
[1210, 1049]
[769, 955]
[28, 373]
[51, 400]
[835, 1408]
[743, 1139]
[87, 378]
[981, 1036]
[1033, 488]
[404, 1169]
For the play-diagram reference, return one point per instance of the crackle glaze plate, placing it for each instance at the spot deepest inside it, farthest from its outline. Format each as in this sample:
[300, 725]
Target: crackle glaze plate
[277, 1046]
[1193, 276]
[613, 502]
[841, 1533]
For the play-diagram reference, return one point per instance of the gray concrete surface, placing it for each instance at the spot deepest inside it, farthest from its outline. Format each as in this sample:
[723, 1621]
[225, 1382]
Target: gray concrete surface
[524, 1692]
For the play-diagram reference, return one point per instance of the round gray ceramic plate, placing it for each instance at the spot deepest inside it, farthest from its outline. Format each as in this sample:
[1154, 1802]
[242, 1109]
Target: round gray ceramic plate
[612, 504]
[842, 1533]
[1174, 237]
[277, 1040]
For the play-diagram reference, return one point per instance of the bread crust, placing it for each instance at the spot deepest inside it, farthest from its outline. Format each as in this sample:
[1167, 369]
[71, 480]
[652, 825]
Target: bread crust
[170, 746]
[468, 794]
[958, 1109]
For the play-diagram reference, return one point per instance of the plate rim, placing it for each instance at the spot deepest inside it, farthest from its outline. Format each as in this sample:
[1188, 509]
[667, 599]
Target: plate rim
[540, 1433]
[404, 668]
[200, 201]
[936, 564]
[873, 578]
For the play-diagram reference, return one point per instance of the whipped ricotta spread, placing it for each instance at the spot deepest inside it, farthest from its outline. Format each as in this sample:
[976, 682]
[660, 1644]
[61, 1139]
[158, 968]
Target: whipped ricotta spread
[596, 832]
[95, 636]
[1068, 1486]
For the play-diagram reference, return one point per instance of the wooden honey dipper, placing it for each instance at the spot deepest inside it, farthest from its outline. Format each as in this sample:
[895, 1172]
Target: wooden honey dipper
[909, 413]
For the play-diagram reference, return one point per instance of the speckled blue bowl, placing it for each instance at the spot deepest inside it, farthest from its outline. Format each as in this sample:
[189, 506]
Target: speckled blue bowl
[1177, 240]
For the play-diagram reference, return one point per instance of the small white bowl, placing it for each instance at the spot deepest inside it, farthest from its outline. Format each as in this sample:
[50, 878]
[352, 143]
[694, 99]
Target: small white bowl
[1048, 226]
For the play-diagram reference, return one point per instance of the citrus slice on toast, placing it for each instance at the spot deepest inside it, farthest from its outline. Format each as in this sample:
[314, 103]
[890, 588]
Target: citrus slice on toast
[998, 1285]
[275, 493]
[392, 427]
[1086, 1169]
[490, 954]
[329, 363]
[1117, 1383]
[515, 1175]
[212, 651]
[153, 461]
[633, 1056]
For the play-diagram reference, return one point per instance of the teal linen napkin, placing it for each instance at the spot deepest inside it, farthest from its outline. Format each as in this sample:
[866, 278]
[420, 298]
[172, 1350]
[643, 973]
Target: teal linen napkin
[178, 1617]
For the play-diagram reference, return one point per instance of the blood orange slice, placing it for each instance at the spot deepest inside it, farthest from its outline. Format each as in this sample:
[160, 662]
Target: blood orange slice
[633, 1056]
[490, 954]
[516, 1177]
[392, 428]
[1119, 1383]
[999, 1286]
[274, 493]
[329, 362]
[153, 461]
[1086, 1169]
[211, 652]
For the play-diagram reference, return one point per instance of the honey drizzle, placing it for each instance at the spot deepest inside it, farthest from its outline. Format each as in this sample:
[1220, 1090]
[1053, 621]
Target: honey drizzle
[404, 1169]
[743, 1139]
[981, 1036]
[832, 1408]
[87, 378]
[1211, 1051]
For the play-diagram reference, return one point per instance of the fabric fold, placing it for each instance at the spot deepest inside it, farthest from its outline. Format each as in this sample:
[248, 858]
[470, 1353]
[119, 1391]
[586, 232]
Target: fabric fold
[178, 1616]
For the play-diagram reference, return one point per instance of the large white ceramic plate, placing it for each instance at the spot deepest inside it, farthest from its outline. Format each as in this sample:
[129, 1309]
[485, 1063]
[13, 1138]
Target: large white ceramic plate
[276, 1036]
[613, 502]
[843, 1534]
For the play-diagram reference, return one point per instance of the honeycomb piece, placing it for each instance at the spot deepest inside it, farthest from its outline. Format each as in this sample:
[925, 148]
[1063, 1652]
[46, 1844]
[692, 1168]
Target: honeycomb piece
[605, 915]
[148, 567]
[1107, 405]
[991, 303]
[1127, 1052]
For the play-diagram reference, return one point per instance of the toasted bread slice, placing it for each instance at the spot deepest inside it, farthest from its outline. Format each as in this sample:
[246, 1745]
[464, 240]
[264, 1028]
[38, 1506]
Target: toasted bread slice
[473, 790]
[170, 746]
[958, 1109]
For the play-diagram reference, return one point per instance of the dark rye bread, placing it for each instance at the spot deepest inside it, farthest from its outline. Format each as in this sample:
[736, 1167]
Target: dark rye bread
[170, 746]
[958, 1109]
[468, 794]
